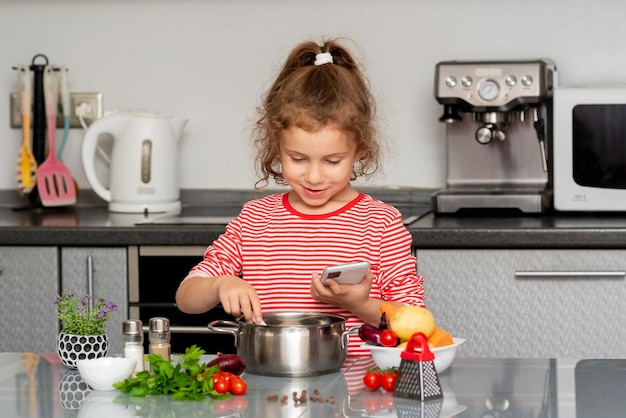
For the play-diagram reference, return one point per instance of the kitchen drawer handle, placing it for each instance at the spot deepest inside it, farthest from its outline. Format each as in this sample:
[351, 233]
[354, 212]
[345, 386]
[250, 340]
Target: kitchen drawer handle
[572, 274]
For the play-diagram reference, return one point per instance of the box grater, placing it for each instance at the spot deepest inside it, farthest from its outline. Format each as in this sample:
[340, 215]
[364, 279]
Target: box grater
[417, 376]
[410, 408]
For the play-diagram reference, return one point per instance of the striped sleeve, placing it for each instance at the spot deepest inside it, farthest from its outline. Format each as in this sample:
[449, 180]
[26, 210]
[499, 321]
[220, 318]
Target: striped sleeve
[398, 276]
[223, 256]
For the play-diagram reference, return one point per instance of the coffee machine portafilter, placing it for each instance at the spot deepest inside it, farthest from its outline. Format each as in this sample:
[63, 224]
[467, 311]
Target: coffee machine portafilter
[498, 135]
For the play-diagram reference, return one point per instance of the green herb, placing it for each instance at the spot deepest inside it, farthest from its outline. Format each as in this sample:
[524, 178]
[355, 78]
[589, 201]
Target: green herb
[186, 379]
[163, 407]
[79, 317]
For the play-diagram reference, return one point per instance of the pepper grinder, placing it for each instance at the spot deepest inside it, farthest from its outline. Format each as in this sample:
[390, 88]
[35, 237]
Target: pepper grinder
[159, 336]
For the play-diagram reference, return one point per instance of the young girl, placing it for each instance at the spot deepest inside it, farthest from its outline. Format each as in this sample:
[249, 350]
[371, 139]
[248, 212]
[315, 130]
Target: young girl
[316, 134]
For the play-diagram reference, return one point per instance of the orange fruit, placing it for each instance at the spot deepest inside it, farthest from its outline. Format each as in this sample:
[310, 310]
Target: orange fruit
[388, 309]
[440, 338]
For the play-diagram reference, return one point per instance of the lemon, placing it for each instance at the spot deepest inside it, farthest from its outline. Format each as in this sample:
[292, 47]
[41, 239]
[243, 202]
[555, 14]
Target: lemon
[407, 320]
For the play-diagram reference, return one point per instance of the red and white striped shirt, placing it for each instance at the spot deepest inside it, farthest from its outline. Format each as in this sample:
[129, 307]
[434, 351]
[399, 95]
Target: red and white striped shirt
[276, 249]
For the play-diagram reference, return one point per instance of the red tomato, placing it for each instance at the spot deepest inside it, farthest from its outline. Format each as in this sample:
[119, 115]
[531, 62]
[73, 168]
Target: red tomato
[238, 386]
[388, 338]
[221, 406]
[388, 381]
[372, 405]
[239, 404]
[226, 375]
[372, 379]
[220, 384]
[387, 401]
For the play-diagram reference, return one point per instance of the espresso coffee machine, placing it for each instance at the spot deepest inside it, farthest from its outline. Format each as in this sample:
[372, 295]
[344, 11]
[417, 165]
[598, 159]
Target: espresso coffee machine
[498, 132]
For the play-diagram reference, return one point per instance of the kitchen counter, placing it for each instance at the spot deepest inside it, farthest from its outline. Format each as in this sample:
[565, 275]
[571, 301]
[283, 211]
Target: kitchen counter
[204, 215]
[38, 386]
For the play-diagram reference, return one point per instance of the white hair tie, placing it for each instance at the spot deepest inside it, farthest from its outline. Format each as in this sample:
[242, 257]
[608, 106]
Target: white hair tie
[323, 58]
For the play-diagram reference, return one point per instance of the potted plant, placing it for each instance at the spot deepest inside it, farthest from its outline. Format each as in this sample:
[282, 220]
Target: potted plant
[83, 323]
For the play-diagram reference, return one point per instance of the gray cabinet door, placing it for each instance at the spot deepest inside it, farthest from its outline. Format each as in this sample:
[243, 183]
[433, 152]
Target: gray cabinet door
[108, 270]
[529, 303]
[29, 283]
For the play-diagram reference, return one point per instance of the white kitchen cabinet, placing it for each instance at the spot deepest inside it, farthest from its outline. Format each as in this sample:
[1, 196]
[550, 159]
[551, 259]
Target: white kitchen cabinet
[529, 303]
[105, 270]
[29, 283]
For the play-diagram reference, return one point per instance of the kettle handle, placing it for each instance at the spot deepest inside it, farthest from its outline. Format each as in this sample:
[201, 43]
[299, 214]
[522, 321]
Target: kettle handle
[107, 125]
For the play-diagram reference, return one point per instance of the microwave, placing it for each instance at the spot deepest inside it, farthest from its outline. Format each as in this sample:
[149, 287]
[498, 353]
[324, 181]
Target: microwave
[589, 148]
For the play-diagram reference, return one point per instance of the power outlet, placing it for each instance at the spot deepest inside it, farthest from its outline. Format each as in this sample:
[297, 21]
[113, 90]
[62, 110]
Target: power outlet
[91, 103]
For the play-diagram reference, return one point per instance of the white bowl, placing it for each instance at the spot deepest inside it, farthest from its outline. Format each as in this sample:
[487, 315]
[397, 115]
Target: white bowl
[102, 405]
[101, 373]
[387, 357]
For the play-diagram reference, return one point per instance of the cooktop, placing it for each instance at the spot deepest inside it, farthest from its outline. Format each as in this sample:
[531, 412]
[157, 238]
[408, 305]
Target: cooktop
[223, 214]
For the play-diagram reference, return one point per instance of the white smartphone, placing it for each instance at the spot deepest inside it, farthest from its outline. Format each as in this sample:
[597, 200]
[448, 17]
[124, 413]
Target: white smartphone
[350, 273]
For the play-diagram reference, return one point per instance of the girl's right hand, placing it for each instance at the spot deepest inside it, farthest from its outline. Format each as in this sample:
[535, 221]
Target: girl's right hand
[238, 298]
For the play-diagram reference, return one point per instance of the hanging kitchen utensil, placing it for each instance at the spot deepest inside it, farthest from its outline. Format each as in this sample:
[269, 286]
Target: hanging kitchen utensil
[417, 375]
[54, 180]
[37, 67]
[65, 102]
[26, 164]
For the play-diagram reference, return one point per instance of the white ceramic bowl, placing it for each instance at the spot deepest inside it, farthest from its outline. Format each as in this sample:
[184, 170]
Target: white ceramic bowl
[386, 357]
[102, 405]
[101, 373]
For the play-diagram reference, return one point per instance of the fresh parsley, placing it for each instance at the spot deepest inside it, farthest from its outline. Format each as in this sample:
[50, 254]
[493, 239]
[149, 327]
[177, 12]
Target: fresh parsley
[185, 379]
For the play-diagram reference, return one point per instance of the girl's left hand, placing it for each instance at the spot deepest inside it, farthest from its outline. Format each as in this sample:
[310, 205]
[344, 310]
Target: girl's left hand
[346, 296]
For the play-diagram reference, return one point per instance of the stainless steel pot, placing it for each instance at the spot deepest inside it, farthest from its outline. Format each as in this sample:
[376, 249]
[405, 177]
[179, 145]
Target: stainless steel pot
[292, 344]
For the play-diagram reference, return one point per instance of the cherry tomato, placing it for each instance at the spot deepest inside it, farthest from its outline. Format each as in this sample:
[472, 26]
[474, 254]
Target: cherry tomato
[238, 386]
[221, 406]
[220, 385]
[239, 403]
[388, 381]
[226, 375]
[372, 379]
[388, 338]
[387, 401]
[371, 405]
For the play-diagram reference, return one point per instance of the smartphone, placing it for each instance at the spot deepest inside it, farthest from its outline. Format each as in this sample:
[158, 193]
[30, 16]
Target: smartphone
[350, 273]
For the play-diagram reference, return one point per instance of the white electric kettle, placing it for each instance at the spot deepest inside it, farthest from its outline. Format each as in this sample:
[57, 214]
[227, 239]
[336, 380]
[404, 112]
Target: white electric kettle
[143, 174]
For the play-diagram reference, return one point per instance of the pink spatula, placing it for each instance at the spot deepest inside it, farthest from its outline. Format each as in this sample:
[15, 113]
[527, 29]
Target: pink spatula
[54, 179]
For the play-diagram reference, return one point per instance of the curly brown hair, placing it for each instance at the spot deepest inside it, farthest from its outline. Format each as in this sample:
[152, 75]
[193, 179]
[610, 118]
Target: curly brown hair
[311, 97]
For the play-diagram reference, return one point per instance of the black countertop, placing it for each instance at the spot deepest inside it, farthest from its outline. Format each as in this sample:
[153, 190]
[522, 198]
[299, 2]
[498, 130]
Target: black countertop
[204, 214]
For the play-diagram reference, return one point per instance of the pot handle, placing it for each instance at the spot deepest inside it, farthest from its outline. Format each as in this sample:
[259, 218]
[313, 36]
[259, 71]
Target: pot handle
[213, 326]
[346, 334]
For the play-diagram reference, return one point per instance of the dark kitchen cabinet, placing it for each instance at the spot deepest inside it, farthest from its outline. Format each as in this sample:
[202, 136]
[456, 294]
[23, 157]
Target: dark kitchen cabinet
[154, 275]
[29, 283]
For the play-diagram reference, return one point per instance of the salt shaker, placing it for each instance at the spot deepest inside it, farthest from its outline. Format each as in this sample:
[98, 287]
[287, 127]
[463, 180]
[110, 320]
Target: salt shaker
[159, 335]
[132, 334]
